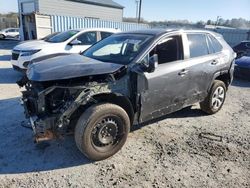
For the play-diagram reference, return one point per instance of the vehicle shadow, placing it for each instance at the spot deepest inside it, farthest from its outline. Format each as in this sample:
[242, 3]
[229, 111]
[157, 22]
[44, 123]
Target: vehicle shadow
[18, 153]
[8, 44]
[185, 112]
[5, 57]
[240, 83]
[9, 76]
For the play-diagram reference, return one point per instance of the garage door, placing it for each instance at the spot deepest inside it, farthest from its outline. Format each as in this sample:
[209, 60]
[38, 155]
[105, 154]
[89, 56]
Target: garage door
[43, 25]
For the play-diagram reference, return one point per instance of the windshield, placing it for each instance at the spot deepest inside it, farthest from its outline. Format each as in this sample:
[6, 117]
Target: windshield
[50, 36]
[121, 48]
[61, 37]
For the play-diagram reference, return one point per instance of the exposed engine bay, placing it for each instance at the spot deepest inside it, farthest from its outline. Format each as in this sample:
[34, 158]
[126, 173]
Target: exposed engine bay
[53, 106]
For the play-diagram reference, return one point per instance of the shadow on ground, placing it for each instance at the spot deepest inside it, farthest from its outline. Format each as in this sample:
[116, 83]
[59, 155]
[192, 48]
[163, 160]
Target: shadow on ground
[186, 112]
[5, 57]
[19, 154]
[8, 44]
[9, 76]
[241, 83]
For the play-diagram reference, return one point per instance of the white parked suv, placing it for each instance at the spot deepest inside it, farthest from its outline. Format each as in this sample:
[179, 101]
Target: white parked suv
[9, 32]
[71, 41]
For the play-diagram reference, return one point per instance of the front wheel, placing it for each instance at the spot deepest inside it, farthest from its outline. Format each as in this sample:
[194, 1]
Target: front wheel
[2, 36]
[102, 130]
[215, 99]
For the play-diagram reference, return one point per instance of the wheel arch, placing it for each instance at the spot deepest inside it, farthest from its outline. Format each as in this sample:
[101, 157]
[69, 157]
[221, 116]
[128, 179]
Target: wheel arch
[119, 100]
[225, 77]
[3, 35]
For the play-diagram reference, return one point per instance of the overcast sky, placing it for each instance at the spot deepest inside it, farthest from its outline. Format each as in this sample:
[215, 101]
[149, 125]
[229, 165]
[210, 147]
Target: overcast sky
[159, 10]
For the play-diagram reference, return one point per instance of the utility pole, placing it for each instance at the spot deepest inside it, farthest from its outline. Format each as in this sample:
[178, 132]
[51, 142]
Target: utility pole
[217, 20]
[139, 17]
[137, 8]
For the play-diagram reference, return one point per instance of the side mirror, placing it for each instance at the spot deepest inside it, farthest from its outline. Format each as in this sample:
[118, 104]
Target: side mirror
[152, 63]
[75, 42]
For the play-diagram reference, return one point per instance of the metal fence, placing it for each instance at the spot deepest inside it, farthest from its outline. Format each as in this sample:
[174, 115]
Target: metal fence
[63, 23]
[234, 36]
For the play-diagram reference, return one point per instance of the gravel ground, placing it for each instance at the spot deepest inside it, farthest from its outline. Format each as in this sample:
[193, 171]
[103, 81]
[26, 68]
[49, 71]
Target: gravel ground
[184, 149]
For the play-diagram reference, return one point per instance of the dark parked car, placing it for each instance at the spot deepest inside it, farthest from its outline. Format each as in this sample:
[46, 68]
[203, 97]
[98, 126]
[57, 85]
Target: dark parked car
[126, 79]
[242, 68]
[242, 49]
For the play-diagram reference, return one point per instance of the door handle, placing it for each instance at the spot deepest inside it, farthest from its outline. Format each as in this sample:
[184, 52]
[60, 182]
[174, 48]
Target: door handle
[183, 72]
[215, 62]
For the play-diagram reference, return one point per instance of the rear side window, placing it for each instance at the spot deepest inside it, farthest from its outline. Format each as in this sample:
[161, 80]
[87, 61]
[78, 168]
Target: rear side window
[197, 45]
[105, 34]
[217, 47]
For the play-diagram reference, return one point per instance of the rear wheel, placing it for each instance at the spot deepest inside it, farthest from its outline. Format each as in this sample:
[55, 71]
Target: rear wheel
[102, 130]
[215, 99]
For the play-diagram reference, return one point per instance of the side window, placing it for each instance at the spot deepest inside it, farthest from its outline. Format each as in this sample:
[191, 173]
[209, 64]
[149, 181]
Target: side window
[215, 43]
[169, 49]
[197, 45]
[88, 38]
[210, 45]
[105, 34]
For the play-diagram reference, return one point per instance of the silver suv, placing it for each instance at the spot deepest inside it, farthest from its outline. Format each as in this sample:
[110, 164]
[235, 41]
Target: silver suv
[125, 79]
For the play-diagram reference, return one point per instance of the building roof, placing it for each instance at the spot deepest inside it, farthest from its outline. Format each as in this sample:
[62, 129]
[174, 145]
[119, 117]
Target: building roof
[105, 3]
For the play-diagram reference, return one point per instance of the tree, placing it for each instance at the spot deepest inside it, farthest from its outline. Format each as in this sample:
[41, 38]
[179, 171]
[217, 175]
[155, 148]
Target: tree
[209, 22]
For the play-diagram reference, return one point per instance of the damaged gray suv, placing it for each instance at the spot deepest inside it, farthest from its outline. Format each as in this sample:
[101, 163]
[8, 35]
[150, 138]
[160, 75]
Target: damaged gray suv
[125, 79]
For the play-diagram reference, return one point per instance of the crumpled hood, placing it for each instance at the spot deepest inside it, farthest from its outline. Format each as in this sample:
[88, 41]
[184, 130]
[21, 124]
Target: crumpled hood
[69, 66]
[243, 62]
[34, 45]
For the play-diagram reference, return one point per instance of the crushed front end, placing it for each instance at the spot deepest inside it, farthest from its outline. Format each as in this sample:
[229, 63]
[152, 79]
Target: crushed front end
[59, 89]
[50, 107]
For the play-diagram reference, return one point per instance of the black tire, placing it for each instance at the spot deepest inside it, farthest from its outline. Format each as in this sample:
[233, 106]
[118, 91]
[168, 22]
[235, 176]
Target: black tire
[208, 105]
[91, 125]
[2, 36]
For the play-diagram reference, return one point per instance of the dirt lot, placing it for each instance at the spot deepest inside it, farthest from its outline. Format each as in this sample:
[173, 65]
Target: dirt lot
[171, 152]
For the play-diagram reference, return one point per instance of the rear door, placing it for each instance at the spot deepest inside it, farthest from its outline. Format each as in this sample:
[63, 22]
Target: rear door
[11, 33]
[203, 64]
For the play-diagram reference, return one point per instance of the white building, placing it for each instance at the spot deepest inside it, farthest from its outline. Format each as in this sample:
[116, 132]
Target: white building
[35, 15]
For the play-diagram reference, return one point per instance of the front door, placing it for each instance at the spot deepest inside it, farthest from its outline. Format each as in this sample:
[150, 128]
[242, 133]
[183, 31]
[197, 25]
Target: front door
[168, 87]
[85, 40]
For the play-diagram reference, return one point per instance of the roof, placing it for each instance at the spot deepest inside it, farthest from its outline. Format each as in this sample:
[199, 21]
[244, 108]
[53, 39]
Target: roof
[157, 32]
[150, 31]
[105, 3]
[100, 29]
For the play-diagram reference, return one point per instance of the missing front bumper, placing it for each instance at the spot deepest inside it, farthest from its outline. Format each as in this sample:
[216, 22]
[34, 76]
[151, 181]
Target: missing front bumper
[41, 130]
